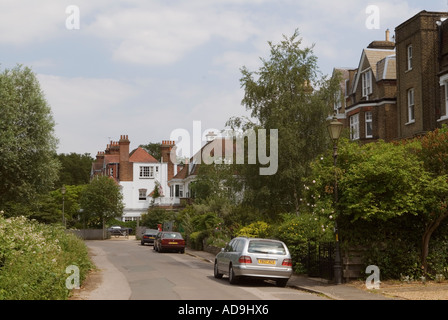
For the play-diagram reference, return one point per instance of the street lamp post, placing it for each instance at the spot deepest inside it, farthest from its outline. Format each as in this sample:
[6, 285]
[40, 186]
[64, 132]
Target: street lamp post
[334, 130]
[63, 191]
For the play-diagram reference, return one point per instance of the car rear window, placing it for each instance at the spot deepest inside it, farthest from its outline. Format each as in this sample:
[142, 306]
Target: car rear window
[267, 247]
[172, 235]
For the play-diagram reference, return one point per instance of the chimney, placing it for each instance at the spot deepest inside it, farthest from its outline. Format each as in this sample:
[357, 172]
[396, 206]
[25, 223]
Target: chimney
[126, 169]
[165, 150]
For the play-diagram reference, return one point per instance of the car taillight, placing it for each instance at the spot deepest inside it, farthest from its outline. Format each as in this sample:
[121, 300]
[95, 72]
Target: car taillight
[287, 263]
[245, 259]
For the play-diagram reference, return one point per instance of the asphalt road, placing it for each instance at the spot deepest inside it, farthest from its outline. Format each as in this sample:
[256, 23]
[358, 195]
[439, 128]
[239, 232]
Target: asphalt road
[135, 272]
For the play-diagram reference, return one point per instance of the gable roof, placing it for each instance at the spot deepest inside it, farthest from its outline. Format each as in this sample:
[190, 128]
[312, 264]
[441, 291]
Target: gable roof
[140, 155]
[372, 57]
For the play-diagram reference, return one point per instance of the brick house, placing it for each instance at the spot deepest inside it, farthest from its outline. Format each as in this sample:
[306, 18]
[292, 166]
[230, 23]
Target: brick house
[421, 76]
[138, 173]
[399, 89]
[369, 105]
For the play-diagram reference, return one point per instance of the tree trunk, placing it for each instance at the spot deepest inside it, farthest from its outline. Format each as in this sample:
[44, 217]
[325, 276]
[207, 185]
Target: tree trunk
[427, 236]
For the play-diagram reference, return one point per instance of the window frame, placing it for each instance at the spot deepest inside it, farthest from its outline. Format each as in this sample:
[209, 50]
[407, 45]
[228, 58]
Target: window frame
[354, 127]
[146, 172]
[411, 105]
[366, 82]
[144, 193]
[409, 55]
[368, 116]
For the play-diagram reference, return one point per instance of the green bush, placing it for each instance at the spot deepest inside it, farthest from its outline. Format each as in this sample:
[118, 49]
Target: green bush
[297, 231]
[258, 229]
[34, 257]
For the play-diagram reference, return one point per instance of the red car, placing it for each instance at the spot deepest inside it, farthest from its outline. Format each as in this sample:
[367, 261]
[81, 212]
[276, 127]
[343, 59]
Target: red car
[169, 241]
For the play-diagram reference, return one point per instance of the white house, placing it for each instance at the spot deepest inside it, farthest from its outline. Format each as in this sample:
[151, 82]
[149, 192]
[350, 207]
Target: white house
[139, 174]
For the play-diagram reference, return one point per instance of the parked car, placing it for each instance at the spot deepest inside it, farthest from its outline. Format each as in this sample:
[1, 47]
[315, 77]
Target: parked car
[169, 241]
[119, 231]
[149, 236]
[254, 257]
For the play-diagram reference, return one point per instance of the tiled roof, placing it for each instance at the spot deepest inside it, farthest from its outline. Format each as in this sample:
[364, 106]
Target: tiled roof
[386, 69]
[375, 55]
[140, 155]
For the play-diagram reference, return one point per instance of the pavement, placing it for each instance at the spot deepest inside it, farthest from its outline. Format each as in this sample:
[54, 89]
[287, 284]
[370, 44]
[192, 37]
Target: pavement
[313, 285]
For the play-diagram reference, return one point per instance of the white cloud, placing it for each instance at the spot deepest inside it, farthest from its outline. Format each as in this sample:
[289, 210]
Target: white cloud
[84, 108]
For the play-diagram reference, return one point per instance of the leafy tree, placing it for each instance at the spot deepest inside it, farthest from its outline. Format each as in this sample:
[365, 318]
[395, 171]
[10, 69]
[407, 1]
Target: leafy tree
[216, 181]
[289, 94]
[28, 166]
[380, 183]
[102, 200]
[75, 169]
[155, 216]
[434, 154]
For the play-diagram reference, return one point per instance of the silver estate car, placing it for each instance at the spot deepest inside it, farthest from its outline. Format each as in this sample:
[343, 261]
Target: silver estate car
[254, 257]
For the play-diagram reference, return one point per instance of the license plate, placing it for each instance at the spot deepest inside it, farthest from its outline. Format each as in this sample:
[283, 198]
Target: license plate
[172, 242]
[264, 261]
[151, 238]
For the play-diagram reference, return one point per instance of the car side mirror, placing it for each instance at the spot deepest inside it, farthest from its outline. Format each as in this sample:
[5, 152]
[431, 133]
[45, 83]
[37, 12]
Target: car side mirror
[222, 249]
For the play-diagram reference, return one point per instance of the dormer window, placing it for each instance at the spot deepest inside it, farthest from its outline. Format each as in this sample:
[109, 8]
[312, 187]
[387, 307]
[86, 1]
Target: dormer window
[366, 83]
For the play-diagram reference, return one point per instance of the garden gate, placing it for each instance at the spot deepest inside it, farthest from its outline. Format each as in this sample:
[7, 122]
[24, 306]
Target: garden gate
[320, 260]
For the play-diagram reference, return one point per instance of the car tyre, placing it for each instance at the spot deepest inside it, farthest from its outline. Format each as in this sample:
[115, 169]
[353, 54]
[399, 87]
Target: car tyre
[233, 279]
[216, 273]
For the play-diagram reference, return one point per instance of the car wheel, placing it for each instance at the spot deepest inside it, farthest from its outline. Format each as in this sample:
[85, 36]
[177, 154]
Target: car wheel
[182, 251]
[233, 279]
[281, 282]
[216, 273]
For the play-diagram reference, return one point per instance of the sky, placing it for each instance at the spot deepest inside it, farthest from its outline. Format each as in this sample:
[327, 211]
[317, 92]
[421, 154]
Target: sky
[146, 68]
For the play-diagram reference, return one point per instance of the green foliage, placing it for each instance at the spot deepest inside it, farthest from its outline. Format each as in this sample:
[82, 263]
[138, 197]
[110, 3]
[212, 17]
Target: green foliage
[297, 231]
[258, 229]
[282, 95]
[155, 216]
[101, 200]
[28, 165]
[75, 169]
[34, 257]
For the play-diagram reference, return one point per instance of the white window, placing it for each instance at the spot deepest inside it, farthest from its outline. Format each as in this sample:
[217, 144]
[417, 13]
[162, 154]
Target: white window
[367, 83]
[409, 50]
[445, 103]
[179, 191]
[146, 172]
[369, 125]
[142, 194]
[411, 105]
[354, 126]
[337, 101]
